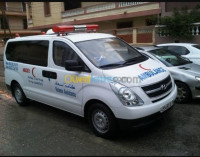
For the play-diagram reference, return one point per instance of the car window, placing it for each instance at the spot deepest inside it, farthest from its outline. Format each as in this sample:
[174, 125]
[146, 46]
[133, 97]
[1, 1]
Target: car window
[63, 52]
[164, 47]
[29, 52]
[109, 51]
[179, 50]
[169, 58]
[196, 46]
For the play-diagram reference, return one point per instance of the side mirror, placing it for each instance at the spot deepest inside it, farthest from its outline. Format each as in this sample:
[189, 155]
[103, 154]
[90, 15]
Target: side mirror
[72, 65]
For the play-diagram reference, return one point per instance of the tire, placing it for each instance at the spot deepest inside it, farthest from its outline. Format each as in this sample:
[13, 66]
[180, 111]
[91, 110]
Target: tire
[102, 121]
[19, 95]
[184, 93]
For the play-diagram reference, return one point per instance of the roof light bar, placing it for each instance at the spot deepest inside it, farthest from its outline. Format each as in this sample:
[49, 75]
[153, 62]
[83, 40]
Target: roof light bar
[75, 28]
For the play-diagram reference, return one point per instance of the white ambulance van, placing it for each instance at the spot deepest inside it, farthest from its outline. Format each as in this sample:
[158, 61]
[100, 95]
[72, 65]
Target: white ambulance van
[93, 75]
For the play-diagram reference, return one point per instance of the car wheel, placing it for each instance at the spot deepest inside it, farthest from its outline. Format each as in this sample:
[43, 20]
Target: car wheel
[102, 121]
[184, 94]
[19, 95]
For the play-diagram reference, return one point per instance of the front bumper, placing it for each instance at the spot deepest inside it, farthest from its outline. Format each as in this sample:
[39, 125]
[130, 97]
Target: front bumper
[124, 124]
[195, 92]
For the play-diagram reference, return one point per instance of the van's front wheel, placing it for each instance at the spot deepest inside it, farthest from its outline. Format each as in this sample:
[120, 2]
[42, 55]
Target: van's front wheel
[102, 121]
[19, 95]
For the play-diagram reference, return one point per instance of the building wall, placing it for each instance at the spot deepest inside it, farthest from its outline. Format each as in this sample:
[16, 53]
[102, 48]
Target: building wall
[39, 19]
[140, 21]
[15, 15]
[84, 4]
[168, 7]
[121, 11]
[15, 6]
[144, 38]
[106, 19]
[38, 13]
[28, 10]
[15, 22]
[108, 25]
[87, 4]
[161, 40]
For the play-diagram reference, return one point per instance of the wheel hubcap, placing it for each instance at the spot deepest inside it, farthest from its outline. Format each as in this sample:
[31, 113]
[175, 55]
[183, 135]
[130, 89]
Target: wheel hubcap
[18, 95]
[100, 121]
[181, 94]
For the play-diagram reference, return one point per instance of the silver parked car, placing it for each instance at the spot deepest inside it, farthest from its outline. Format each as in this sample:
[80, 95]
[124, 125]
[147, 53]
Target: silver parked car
[188, 50]
[185, 73]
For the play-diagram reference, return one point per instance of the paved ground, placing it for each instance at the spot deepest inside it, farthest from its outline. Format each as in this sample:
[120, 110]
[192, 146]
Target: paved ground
[1, 61]
[42, 130]
[1, 68]
[1, 52]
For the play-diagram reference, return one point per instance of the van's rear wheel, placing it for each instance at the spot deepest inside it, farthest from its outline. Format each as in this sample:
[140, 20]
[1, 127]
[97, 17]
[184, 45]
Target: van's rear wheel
[19, 95]
[102, 121]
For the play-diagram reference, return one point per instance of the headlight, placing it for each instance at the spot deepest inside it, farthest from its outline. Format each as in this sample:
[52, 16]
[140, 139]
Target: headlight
[126, 95]
[198, 78]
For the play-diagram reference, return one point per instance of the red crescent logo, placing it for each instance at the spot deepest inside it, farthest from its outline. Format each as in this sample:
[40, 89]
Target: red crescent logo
[143, 68]
[32, 72]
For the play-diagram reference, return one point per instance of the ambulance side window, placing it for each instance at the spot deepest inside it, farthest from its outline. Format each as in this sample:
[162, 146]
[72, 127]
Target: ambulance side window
[63, 52]
[33, 52]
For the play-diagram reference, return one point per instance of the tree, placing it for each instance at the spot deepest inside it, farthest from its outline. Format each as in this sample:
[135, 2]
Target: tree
[178, 26]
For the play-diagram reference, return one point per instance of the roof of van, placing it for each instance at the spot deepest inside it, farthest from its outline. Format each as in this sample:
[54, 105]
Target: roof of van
[74, 37]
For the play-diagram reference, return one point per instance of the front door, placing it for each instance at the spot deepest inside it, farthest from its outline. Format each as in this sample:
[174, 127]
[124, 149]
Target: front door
[66, 88]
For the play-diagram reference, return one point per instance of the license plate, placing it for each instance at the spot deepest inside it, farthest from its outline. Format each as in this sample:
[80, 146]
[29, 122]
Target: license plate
[164, 108]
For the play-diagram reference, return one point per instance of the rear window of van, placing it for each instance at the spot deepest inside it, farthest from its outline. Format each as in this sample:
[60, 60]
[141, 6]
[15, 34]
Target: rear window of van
[29, 52]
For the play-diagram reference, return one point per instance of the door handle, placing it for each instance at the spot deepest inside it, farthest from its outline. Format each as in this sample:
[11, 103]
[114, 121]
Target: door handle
[49, 74]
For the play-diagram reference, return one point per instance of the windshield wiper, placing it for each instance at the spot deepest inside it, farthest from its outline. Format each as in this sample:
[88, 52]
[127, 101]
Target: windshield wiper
[130, 61]
[133, 60]
[123, 63]
[189, 62]
[111, 65]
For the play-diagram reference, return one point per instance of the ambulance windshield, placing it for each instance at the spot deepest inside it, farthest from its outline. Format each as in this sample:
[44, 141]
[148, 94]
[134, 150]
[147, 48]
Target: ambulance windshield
[110, 52]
